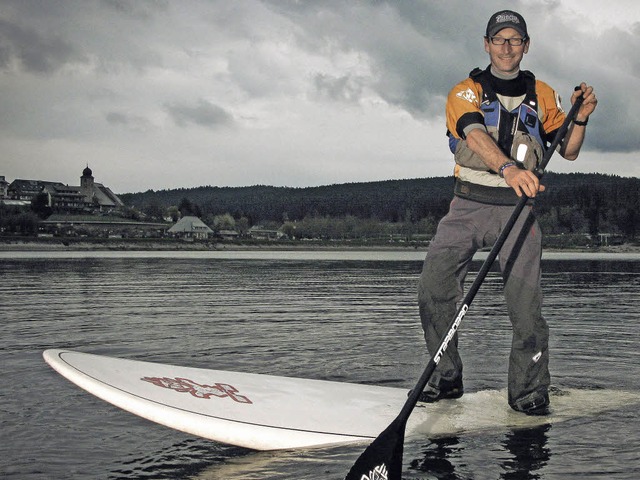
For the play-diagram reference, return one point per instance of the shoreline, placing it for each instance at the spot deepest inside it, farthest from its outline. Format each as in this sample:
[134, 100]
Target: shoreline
[64, 245]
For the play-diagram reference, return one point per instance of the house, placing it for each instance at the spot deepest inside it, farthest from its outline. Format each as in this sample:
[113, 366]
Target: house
[191, 228]
[260, 233]
[228, 234]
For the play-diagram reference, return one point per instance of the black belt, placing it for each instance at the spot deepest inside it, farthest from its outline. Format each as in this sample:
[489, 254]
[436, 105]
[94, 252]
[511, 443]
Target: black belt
[485, 194]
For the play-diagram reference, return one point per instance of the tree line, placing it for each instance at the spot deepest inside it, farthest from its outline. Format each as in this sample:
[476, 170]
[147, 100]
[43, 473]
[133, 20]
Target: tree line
[578, 204]
[574, 203]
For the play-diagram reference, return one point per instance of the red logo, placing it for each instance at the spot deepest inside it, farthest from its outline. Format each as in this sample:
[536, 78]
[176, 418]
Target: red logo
[185, 385]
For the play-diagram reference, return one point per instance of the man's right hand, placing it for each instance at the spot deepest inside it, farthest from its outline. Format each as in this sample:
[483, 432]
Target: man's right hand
[522, 181]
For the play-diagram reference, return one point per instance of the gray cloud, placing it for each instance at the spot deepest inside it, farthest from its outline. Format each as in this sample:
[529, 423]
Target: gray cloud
[344, 88]
[615, 73]
[203, 113]
[132, 122]
[26, 48]
[143, 9]
[416, 50]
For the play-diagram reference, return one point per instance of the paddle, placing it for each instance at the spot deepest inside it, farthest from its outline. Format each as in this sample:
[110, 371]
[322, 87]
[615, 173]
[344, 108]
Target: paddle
[382, 460]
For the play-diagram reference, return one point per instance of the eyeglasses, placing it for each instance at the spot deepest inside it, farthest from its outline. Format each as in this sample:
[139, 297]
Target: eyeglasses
[514, 42]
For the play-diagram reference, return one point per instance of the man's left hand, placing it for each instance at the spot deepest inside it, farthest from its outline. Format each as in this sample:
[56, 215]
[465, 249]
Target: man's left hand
[589, 103]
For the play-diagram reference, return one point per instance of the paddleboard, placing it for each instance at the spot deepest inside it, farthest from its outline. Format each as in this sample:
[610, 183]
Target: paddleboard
[265, 412]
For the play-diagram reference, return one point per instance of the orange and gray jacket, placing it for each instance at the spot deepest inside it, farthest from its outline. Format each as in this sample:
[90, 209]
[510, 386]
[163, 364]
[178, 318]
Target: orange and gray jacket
[522, 129]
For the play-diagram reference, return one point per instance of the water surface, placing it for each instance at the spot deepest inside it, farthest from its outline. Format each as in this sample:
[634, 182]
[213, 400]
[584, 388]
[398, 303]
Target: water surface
[346, 316]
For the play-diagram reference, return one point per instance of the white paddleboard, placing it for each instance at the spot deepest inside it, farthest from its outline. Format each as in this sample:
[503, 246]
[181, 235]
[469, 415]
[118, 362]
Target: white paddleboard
[265, 412]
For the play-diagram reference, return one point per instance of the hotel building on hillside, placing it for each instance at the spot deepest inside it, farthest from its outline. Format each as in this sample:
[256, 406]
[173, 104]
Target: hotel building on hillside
[89, 196]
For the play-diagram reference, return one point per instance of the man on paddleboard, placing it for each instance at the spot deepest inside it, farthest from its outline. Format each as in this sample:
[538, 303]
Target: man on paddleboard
[499, 120]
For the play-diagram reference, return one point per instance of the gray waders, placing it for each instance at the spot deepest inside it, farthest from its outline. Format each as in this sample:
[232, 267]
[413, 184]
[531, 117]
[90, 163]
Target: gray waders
[468, 227]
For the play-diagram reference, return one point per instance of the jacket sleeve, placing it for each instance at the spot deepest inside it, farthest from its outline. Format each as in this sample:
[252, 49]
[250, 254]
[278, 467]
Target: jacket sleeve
[463, 108]
[550, 106]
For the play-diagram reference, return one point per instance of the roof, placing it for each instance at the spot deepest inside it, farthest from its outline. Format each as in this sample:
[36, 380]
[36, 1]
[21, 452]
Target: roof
[105, 196]
[190, 224]
[31, 186]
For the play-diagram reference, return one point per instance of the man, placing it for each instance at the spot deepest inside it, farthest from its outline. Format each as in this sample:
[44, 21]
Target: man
[500, 121]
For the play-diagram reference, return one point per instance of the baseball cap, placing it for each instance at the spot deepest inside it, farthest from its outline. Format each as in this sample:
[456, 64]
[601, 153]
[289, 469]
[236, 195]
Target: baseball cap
[506, 19]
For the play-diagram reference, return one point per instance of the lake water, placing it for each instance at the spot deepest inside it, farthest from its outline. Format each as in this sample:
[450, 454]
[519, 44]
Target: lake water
[345, 316]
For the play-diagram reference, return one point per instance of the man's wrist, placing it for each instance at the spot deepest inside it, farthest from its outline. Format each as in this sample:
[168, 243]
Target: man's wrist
[504, 166]
[581, 123]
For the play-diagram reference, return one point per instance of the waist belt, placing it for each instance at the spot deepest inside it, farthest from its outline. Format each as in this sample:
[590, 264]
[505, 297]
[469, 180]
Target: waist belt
[485, 194]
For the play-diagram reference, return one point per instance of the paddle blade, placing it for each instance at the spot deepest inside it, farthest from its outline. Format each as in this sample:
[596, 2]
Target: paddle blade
[382, 460]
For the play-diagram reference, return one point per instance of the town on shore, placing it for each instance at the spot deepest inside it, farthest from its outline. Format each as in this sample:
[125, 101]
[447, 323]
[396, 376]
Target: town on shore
[587, 212]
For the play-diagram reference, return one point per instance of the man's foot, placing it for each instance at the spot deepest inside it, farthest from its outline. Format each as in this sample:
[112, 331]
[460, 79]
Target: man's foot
[447, 389]
[534, 403]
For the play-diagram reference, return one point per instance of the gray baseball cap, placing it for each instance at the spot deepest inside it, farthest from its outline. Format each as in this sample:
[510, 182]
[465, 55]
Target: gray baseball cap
[507, 19]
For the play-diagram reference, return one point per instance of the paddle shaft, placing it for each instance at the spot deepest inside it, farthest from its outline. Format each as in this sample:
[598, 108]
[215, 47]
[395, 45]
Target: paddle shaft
[391, 439]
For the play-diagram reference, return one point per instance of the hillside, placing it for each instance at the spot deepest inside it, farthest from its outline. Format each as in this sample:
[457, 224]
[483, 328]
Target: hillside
[386, 200]
[573, 202]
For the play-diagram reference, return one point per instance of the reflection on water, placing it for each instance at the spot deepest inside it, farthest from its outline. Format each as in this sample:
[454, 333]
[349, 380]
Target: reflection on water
[530, 453]
[436, 458]
[350, 318]
[523, 454]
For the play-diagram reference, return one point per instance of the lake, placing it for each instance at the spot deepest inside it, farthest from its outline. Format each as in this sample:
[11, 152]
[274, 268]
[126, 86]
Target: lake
[331, 315]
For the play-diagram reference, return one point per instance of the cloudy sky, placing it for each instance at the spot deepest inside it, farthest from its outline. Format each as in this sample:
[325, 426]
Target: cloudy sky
[158, 94]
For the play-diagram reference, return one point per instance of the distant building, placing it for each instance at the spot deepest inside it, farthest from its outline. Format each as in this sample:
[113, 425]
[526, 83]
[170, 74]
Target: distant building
[19, 194]
[260, 233]
[89, 196]
[96, 193]
[4, 187]
[27, 189]
[228, 234]
[191, 228]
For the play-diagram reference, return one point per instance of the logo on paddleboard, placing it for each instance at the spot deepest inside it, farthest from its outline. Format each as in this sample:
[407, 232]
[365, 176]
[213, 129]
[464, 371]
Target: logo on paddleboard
[184, 385]
[378, 473]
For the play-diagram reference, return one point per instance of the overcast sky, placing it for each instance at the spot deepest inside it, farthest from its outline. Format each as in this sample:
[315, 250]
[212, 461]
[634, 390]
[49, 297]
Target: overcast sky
[161, 94]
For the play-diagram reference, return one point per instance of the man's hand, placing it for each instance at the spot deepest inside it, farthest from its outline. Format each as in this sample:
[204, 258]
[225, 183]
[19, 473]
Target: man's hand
[522, 181]
[588, 105]
[574, 139]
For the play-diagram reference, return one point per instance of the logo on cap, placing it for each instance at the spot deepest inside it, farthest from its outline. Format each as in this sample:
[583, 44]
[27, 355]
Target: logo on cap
[507, 17]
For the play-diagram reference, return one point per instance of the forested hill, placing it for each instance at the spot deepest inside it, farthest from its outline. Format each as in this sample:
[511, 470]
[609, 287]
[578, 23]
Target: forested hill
[385, 200]
[602, 201]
